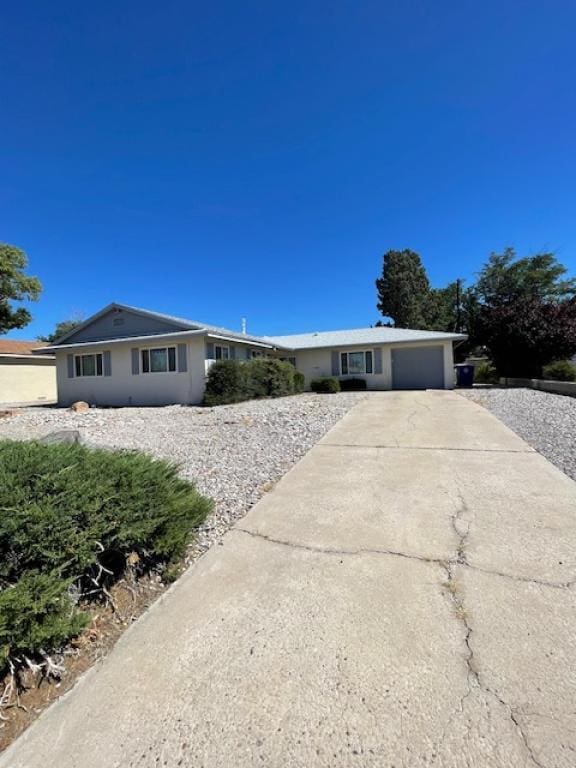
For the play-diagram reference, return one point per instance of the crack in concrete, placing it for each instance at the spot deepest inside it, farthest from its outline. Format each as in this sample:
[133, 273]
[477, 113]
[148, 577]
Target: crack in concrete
[443, 562]
[449, 566]
[461, 527]
[336, 552]
[473, 677]
[428, 448]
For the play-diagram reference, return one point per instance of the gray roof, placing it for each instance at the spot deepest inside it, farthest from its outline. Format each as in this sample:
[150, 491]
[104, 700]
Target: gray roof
[182, 322]
[197, 325]
[360, 336]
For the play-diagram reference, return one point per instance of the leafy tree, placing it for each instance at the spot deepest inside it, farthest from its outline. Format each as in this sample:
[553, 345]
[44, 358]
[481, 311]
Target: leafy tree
[15, 285]
[525, 335]
[523, 311]
[506, 278]
[403, 289]
[61, 329]
[445, 308]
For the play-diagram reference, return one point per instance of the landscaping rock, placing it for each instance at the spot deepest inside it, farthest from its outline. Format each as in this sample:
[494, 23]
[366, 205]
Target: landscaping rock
[80, 407]
[234, 453]
[8, 413]
[546, 421]
[62, 436]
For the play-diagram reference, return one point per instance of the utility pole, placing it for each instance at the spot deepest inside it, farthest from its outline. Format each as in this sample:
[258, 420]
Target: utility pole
[458, 306]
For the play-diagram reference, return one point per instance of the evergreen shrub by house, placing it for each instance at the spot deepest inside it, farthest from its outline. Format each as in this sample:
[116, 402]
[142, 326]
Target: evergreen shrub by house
[226, 383]
[563, 370]
[325, 385]
[485, 373]
[66, 510]
[269, 377]
[299, 382]
[352, 385]
[230, 381]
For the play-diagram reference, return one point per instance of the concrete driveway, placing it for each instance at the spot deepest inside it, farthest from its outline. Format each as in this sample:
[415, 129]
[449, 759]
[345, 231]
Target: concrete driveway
[404, 597]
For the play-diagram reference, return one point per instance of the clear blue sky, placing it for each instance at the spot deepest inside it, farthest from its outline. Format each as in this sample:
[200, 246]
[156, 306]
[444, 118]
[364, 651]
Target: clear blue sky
[229, 159]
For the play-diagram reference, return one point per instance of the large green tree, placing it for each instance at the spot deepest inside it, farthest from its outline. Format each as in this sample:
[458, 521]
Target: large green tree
[404, 289]
[15, 285]
[505, 278]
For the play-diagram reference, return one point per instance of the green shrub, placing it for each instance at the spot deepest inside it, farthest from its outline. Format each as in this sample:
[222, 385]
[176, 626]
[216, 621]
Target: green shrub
[66, 510]
[36, 613]
[268, 377]
[299, 382]
[485, 373]
[226, 383]
[562, 370]
[325, 385]
[230, 381]
[352, 385]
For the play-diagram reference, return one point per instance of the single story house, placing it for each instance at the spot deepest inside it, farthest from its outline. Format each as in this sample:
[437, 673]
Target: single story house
[26, 378]
[128, 356]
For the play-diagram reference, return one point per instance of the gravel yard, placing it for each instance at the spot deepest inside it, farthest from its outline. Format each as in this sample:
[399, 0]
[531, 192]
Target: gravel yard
[547, 422]
[234, 453]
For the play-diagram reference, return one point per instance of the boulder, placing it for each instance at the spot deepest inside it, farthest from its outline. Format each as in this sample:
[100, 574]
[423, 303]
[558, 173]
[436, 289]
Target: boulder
[62, 436]
[80, 407]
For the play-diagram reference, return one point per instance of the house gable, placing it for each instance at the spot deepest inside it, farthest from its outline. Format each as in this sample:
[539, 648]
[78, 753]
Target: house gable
[117, 322]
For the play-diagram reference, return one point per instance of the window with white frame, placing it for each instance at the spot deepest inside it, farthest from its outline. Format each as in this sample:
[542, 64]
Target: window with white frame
[158, 360]
[221, 352]
[89, 365]
[352, 363]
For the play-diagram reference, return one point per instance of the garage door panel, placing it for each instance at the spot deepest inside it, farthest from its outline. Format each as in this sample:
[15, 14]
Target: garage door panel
[418, 368]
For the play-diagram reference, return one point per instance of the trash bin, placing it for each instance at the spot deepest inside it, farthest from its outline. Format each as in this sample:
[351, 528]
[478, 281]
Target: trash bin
[464, 375]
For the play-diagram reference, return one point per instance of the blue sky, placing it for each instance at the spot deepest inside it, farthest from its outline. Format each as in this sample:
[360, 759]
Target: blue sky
[256, 159]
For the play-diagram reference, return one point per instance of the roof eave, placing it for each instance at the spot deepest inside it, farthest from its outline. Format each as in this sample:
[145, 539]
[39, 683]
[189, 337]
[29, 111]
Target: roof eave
[251, 340]
[125, 340]
[33, 356]
[377, 343]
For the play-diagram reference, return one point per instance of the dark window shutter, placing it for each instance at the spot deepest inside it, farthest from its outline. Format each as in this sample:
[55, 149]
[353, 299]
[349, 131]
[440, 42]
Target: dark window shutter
[107, 363]
[248, 353]
[209, 350]
[378, 360]
[232, 353]
[335, 366]
[369, 366]
[182, 358]
[70, 363]
[135, 361]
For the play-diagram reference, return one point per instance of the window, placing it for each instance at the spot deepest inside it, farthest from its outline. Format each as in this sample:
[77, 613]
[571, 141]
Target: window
[221, 353]
[89, 365]
[159, 360]
[356, 362]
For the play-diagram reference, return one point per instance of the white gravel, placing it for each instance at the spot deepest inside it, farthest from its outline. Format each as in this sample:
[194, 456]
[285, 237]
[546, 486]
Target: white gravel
[234, 453]
[546, 421]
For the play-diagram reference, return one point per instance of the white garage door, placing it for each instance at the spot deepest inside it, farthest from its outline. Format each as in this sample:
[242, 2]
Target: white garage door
[418, 368]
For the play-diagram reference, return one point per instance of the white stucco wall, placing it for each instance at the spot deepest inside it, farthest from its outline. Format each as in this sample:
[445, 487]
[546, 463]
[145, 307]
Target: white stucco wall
[125, 388]
[314, 363]
[27, 381]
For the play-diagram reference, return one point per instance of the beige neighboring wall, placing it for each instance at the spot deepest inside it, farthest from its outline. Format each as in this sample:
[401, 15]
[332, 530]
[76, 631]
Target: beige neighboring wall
[123, 388]
[27, 380]
[314, 363]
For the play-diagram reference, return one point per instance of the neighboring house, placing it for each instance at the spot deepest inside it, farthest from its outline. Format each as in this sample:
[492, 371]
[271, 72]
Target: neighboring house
[26, 378]
[129, 356]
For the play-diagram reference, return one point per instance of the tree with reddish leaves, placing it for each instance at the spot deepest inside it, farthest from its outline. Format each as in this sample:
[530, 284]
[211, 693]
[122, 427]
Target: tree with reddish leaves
[524, 313]
[525, 335]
